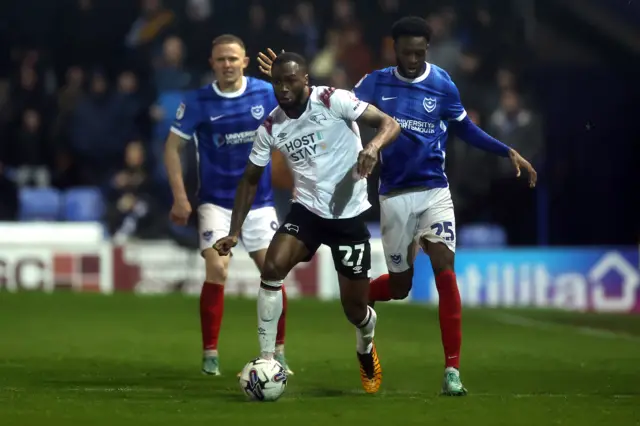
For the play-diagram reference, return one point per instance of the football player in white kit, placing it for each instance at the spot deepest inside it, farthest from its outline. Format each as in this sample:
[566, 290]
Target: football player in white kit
[315, 128]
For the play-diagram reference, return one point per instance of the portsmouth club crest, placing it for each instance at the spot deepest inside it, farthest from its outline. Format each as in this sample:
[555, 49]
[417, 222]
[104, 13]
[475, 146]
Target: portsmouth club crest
[257, 111]
[429, 104]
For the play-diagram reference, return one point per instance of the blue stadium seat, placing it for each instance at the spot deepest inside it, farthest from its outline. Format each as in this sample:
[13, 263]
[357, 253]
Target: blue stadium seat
[39, 204]
[482, 235]
[83, 205]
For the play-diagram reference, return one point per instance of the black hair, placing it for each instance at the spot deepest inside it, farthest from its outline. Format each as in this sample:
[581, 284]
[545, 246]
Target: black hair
[285, 57]
[411, 26]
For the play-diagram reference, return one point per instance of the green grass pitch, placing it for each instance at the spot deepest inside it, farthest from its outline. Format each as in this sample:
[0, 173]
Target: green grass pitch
[79, 359]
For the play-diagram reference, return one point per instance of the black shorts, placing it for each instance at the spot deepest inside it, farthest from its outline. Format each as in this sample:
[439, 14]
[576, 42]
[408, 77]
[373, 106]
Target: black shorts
[347, 238]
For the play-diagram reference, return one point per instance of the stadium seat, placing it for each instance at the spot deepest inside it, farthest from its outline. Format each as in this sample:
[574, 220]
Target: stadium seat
[39, 204]
[482, 235]
[83, 205]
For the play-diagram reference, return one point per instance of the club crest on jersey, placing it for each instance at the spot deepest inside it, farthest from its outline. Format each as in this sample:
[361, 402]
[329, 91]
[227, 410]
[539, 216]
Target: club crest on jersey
[429, 104]
[257, 111]
[317, 118]
[180, 111]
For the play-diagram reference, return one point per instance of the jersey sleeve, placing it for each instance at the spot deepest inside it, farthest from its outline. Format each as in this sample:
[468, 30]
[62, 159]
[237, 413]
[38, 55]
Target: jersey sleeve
[365, 88]
[453, 109]
[261, 150]
[188, 117]
[344, 104]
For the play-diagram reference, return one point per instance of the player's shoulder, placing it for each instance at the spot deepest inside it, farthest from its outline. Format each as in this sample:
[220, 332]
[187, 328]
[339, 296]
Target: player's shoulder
[257, 85]
[373, 76]
[323, 96]
[440, 79]
[274, 118]
[439, 74]
[383, 72]
[202, 93]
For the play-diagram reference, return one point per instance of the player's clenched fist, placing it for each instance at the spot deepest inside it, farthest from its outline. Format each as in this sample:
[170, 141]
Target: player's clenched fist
[180, 212]
[367, 160]
[224, 245]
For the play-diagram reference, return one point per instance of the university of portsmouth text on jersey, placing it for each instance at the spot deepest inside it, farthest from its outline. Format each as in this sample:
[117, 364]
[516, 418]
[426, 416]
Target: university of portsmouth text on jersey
[416, 125]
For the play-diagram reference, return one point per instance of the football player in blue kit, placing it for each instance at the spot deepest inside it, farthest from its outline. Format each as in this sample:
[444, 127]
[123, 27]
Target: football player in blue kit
[222, 119]
[415, 202]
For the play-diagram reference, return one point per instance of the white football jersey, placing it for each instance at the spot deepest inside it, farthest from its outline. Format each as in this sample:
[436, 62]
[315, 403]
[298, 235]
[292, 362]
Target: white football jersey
[321, 147]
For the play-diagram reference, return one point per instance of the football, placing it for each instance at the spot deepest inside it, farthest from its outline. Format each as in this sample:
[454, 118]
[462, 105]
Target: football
[263, 379]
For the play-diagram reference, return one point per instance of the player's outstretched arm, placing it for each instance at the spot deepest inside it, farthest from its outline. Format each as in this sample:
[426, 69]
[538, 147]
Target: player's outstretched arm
[388, 130]
[475, 136]
[245, 194]
[181, 209]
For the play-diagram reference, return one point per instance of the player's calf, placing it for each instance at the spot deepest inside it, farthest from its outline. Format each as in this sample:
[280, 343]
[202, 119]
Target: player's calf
[212, 309]
[284, 252]
[269, 311]
[400, 284]
[391, 286]
[354, 296]
[449, 313]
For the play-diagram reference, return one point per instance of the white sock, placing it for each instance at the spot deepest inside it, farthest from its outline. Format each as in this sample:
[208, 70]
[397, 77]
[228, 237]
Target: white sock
[365, 332]
[269, 311]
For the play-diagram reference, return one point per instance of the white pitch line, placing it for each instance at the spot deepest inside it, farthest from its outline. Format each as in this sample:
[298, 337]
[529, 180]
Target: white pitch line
[511, 319]
[338, 392]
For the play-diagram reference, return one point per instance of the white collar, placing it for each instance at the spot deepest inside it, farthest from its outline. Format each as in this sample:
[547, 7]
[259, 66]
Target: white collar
[418, 79]
[235, 94]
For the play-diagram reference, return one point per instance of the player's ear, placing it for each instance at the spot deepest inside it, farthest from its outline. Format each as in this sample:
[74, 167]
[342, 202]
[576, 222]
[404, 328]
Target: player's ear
[245, 62]
[306, 79]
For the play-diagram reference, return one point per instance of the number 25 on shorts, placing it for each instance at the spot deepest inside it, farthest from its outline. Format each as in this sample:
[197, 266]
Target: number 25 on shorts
[447, 228]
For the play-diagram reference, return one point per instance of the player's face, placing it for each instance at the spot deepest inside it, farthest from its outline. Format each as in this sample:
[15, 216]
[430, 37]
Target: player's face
[228, 62]
[411, 54]
[289, 82]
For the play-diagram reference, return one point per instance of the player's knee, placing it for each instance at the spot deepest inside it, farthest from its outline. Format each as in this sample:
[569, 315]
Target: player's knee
[400, 284]
[216, 270]
[274, 269]
[355, 311]
[441, 257]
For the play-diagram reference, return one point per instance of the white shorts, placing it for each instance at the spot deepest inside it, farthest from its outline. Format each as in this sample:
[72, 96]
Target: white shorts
[405, 218]
[256, 234]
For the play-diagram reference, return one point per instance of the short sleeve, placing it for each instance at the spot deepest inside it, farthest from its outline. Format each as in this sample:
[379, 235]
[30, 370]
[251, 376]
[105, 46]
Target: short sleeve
[261, 151]
[345, 104]
[453, 109]
[188, 117]
[365, 88]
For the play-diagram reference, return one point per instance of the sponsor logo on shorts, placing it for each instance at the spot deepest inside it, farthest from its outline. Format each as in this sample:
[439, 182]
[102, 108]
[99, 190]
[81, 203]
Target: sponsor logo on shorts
[207, 235]
[396, 258]
[291, 227]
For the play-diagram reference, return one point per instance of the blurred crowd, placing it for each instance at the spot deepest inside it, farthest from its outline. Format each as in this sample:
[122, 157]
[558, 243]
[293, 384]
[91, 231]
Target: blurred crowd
[88, 89]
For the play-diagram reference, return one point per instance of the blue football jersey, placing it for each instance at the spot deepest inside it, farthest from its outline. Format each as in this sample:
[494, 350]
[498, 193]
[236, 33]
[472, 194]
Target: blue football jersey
[223, 127]
[423, 107]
